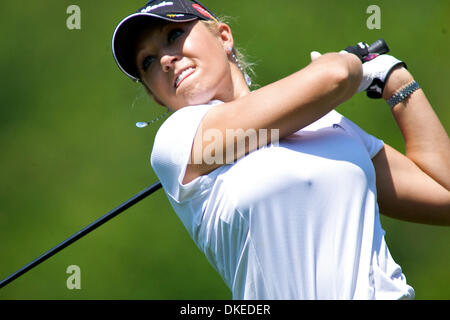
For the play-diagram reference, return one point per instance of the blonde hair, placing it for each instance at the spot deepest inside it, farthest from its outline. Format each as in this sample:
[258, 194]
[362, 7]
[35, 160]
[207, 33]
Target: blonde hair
[241, 61]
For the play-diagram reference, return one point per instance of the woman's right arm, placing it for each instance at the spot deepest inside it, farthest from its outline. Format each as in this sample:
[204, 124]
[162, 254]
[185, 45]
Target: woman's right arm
[287, 105]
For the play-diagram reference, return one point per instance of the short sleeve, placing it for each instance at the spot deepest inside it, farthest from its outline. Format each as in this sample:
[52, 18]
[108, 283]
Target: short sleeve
[172, 152]
[372, 144]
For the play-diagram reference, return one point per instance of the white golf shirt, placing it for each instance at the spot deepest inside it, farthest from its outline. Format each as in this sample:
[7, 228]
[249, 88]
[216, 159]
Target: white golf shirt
[296, 219]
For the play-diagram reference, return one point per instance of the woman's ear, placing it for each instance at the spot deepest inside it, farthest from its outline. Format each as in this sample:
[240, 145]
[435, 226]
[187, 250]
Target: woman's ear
[226, 36]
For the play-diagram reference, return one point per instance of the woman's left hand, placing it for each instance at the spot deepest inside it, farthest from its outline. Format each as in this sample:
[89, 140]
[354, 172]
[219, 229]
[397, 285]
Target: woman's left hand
[376, 73]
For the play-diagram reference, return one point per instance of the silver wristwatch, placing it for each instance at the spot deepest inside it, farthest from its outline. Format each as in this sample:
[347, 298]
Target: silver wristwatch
[403, 94]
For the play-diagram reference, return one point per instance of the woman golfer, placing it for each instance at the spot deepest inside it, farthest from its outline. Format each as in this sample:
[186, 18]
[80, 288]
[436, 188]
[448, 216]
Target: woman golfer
[294, 215]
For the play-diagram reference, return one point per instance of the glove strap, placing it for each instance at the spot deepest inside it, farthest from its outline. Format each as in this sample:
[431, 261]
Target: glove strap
[376, 88]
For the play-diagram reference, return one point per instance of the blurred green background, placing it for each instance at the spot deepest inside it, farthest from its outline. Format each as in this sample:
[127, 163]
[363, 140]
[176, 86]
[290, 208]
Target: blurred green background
[70, 151]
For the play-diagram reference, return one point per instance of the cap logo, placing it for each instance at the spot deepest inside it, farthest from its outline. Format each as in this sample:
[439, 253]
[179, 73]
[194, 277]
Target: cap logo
[174, 15]
[156, 6]
[203, 11]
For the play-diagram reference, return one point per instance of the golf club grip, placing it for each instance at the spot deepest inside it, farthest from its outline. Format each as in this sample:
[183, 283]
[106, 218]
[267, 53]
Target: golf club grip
[380, 46]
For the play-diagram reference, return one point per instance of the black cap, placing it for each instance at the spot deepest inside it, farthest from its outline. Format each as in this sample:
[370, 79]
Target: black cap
[169, 10]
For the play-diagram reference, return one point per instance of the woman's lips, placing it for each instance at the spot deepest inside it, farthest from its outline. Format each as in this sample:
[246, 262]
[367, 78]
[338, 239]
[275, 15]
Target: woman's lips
[183, 75]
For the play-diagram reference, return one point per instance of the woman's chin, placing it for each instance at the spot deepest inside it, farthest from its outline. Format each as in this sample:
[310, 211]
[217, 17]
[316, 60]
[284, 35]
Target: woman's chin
[196, 98]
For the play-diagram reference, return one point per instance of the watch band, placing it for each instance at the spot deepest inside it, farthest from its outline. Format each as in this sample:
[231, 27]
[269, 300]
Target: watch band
[403, 94]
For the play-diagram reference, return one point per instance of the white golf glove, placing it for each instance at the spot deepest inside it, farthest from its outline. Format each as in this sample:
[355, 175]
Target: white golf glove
[375, 73]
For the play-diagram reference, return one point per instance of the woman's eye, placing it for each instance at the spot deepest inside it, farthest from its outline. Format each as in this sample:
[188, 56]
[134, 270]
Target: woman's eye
[174, 34]
[147, 62]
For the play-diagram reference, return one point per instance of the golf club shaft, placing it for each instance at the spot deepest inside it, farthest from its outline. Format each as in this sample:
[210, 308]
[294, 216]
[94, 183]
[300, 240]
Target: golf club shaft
[94, 225]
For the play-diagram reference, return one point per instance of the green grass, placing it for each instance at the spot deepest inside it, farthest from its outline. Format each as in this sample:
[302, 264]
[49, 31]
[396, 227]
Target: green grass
[71, 151]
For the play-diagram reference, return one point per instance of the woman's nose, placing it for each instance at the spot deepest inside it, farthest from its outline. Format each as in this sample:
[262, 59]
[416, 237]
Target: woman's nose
[168, 61]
